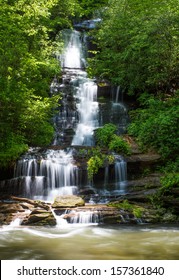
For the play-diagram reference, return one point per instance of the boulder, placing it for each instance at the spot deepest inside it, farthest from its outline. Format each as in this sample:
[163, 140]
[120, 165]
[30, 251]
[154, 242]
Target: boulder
[7, 208]
[40, 217]
[68, 201]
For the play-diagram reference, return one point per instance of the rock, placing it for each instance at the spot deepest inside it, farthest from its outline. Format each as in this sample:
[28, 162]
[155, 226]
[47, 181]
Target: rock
[170, 202]
[68, 201]
[40, 217]
[16, 207]
[4, 218]
[169, 218]
[137, 164]
[35, 203]
[10, 208]
[149, 181]
[87, 191]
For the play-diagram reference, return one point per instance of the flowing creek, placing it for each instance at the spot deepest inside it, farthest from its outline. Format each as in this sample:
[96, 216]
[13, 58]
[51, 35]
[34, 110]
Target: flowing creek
[53, 172]
[89, 242]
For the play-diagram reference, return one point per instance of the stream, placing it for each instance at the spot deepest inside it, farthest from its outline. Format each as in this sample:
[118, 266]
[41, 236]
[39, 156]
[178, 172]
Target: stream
[90, 242]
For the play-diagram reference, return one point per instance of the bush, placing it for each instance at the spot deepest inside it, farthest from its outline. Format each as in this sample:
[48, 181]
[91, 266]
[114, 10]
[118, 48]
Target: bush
[104, 135]
[170, 180]
[118, 145]
[94, 163]
[156, 126]
[11, 149]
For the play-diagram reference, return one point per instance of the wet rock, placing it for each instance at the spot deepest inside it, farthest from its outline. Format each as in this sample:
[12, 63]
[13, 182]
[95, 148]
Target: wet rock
[137, 164]
[34, 203]
[151, 181]
[7, 208]
[169, 218]
[14, 207]
[10, 211]
[40, 217]
[5, 219]
[171, 202]
[87, 191]
[68, 201]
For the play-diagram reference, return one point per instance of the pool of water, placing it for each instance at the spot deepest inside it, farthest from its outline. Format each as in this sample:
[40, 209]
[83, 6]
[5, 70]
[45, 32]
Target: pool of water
[89, 242]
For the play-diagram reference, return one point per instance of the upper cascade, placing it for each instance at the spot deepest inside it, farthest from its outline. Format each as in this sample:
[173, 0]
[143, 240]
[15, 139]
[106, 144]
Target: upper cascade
[73, 57]
[79, 108]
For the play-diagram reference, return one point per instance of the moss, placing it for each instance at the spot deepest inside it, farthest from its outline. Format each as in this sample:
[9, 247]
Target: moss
[136, 210]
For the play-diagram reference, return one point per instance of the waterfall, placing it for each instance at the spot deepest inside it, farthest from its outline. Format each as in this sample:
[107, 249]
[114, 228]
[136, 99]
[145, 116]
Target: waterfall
[85, 90]
[88, 113]
[117, 95]
[84, 217]
[54, 172]
[120, 173]
[47, 175]
[72, 57]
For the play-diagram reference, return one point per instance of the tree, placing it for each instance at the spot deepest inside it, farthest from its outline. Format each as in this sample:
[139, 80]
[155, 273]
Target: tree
[26, 70]
[138, 45]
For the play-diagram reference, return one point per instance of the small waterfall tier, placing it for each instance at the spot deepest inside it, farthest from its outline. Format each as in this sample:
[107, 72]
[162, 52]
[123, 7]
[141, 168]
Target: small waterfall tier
[84, 217]
[73, 55]
[48, 174]
[78, 216]
[87, 107]
[120, 173]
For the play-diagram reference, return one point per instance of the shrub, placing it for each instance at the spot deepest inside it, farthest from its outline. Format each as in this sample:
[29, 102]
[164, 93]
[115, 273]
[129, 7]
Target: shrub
[104, 135]
[118, 145]
[156, 126]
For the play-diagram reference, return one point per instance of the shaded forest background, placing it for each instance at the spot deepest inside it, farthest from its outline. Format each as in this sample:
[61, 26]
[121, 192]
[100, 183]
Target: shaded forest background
[137, 47]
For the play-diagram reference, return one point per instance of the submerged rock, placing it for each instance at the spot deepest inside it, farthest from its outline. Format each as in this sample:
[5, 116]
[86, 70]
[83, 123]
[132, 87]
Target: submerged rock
[68, 201]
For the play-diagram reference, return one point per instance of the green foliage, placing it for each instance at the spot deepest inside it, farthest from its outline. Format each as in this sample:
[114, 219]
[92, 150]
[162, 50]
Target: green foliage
[105, 134]
[108, 140]
[26, 70]
[106, 137]
[118, 145]
[169, 181]
[138, 45]
[11, 148]
[127, 206]
[38, 112]
[63, 14]
[138, 211]
[90, 8]
[123, 205]
[94, 163]
[157, 126]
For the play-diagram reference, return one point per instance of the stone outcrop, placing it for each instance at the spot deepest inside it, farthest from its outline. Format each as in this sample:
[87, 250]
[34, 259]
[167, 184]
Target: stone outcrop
[68, 201]
[30, 212]
[40, 217]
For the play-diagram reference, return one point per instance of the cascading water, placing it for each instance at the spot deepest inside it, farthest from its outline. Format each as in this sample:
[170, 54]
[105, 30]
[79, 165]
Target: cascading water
[72, 57]
[120, 174]
[45, 175]
[84, 217]
[88, 113]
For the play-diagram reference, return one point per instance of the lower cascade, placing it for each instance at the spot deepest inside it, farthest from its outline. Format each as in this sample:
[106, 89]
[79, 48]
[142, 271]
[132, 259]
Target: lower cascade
[42, 177]
[52, 172]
